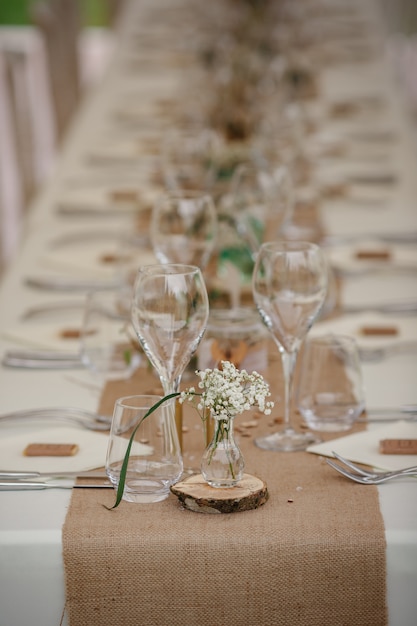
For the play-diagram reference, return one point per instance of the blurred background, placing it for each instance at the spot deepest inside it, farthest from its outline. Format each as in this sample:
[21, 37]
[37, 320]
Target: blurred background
[52, 52]
[95, 13]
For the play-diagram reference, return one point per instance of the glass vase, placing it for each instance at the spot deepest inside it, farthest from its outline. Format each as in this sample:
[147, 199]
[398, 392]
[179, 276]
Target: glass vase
[222, 463]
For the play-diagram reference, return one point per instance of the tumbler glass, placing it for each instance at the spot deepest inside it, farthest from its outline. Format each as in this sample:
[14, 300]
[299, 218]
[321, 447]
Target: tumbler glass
[155, 461]
[330, 394]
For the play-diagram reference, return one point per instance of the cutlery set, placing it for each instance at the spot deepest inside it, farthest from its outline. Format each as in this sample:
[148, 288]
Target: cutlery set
[378, 354]
[62, 283]
[82, 417]
[401, 307]
[44, 359]
[364, 477]
[24, 485]
[11, 480]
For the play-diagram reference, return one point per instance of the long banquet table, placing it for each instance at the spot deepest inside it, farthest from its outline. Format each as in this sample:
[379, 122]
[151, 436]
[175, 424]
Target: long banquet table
[32, 575]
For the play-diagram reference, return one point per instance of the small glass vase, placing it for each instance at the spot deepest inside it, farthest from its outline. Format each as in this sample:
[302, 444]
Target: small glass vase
[222, 463]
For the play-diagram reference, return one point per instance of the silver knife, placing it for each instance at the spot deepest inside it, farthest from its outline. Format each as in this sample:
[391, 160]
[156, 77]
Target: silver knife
[22, 485]
[68, 284]
[406, 413]
[21, 475]
[404, 307]
[49, 355]
[407, 238]
[41, 363]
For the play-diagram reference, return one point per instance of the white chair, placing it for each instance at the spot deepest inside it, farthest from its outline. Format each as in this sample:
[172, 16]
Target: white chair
[58, 22]
[11, 192]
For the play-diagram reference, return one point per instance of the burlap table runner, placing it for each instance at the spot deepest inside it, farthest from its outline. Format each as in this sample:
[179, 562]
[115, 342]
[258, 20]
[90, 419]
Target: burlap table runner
[314, 554]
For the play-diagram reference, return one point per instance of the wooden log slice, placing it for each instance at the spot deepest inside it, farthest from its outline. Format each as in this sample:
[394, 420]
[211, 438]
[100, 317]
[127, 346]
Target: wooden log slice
[196, 495]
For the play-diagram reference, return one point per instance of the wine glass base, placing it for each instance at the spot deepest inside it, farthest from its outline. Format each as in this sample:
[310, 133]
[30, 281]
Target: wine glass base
[287, 441]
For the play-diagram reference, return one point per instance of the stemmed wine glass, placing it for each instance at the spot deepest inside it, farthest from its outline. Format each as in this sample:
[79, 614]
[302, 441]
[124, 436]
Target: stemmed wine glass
[289, 289]
[263, 198]
[169, 314]
[184, 228]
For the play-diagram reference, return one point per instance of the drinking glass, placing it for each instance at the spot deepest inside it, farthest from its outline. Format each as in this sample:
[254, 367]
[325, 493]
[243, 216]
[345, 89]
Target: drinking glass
[187, 159]
[106, 345]
[184, 228]
[155, 461]
[169, 314]
[259, 203]
[330, 394]
[264, 197]
[289, 289]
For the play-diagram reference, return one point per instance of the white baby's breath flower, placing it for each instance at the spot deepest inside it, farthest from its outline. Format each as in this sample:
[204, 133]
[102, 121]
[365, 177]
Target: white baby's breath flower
[227, 392]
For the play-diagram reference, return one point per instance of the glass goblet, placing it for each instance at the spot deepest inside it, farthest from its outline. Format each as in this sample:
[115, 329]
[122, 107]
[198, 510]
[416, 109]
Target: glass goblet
[106, 346]
[187, 157]
[169, 314]
[184, 228]
[263, 197]
[289, 289]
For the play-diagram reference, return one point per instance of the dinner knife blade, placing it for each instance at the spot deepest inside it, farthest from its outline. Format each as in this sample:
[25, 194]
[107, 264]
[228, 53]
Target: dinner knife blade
[66, 284]
[22, 475]
[24, 485]
[44, 364]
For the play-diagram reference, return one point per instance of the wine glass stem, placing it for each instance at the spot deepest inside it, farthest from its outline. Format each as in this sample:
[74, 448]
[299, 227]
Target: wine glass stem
[289, 360]
[172, 386]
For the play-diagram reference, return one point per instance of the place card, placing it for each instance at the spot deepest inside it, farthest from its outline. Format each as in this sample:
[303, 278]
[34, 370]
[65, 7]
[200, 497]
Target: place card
[398, 446]
[51, 449]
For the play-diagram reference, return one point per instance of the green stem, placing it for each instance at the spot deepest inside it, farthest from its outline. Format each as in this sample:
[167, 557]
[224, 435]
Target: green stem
[219, 435]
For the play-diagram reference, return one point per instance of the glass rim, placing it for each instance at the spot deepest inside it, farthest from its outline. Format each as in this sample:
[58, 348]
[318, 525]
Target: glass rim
[289, 246]
[328, 338]
[186, 194]
[126, 401]
[168, 269]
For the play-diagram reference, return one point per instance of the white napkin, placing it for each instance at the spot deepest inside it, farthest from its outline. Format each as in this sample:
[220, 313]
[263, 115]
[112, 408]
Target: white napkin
[363, 447]
[45, 335]
[369, 290]
[91, 454]
[352, 324]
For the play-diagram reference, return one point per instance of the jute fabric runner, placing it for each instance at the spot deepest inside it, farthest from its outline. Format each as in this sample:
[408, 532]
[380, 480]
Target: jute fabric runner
[314, 554]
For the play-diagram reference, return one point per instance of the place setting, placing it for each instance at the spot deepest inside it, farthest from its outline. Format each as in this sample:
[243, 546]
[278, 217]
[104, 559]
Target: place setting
[100, 200]
[94, 260]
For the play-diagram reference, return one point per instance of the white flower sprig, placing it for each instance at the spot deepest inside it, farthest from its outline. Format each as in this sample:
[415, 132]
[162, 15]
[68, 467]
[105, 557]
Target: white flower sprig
[227, 392]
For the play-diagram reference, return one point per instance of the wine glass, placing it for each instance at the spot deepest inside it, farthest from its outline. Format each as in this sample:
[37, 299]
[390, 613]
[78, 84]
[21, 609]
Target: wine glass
[187, 158]
[184, 228]
[263, 196]
[106, 345]
[169, 314]
[289, 288]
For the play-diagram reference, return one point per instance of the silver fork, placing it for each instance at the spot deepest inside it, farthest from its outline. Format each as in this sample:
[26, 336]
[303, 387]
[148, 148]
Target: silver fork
[378, 354]
[88, 419]
[365, 472]
[401, 307]
[365, 477]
